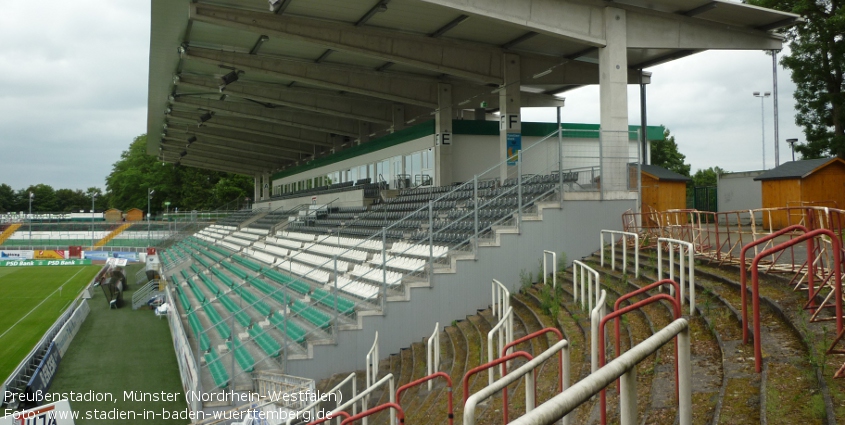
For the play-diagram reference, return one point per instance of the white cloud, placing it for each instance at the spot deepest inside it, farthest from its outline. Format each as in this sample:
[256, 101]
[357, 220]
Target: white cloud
[73, 89]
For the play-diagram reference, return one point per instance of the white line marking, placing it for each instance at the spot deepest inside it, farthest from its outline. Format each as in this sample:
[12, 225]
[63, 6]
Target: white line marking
[39, 304]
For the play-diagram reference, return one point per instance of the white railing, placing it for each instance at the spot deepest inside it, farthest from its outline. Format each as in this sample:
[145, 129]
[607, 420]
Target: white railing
[625, 236]
[432, 353]
[365, 395]
[504, 330]
[689, 254]
[525, 370]
[545, 269]
[335, 390]
[501, 298]
[595, 318]
[588, 284]
[372, 372]
[625, 367]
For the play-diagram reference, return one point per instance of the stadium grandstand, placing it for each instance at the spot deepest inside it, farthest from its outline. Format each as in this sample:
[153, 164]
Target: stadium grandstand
[400, 198]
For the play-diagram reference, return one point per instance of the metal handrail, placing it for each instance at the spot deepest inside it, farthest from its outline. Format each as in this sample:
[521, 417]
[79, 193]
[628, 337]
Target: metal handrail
[617, 313]
[596, 315]
[428, 379]
[432, 353]
[586, 290]
[691, 266]
[625, 235]
[624, 366]
[524, 370]
[546, 253]
[504, 329]
[350, 377]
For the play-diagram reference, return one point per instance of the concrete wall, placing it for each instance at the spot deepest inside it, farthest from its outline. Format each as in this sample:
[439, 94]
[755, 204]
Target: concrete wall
[349, 198]
[476, 154]
[401, 149]
[739, 191]
[573, 230]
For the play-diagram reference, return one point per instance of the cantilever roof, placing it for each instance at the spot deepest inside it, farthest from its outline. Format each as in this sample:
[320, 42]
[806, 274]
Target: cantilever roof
[314, 75]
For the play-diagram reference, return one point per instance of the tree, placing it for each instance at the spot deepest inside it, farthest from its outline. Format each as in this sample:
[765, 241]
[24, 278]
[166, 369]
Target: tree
[708, 177]
[664, 153]
[7, 198]
[184, 187]
[817, 62]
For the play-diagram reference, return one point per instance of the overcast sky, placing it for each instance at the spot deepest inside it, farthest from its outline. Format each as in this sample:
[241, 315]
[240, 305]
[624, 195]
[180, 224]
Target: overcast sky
[73, 90]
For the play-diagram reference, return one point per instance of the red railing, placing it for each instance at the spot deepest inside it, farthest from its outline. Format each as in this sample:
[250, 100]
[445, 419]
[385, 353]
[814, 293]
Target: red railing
[329, 417]
[530, 337]
[618, 313]
[425, 379]
[743, 278]
[837, 288]
[642, 290]
[400, 414]
[495, 363]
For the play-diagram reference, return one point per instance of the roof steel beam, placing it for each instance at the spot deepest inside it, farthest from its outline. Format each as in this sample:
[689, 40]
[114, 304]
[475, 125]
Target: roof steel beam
[581, 21]
[473, 61]
[317, 101]
[279, 116]
[380, 85]
[225, 138]
[216, 162]
[244, 132]
[178, 142]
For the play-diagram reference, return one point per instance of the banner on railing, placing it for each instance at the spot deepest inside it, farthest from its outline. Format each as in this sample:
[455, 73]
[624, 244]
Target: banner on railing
[17, 254]
[28, 263]
[105, 255]
[69, 329]
[44, 373]
[50, 254]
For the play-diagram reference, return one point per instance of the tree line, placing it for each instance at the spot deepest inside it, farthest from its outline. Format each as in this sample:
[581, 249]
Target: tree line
[132, 176]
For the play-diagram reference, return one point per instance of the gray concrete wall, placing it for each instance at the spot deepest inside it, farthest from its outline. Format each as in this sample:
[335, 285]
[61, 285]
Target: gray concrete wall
[573, 230]
[739, 191]
[349, 198]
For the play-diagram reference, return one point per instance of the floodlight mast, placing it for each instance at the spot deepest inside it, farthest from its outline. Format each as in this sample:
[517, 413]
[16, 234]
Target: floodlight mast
[763, 121]
[150, 193]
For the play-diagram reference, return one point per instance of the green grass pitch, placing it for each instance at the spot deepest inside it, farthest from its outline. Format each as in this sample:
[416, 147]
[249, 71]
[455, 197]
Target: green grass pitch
[32, 301]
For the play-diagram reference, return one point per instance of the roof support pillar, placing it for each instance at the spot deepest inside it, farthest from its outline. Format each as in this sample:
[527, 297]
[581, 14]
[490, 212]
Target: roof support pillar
[443, 136]
[510, 125]
[398, 116]
[364, 131]
[257, 194]
[267, 186]
[613, 94]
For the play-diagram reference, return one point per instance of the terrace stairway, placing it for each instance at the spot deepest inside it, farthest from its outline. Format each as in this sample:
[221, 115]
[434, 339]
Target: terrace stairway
[796, 384]
[9, 232]
[112, 235]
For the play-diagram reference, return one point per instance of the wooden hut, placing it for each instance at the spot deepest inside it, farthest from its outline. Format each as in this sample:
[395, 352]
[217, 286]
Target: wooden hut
[113, 215]
[662, 189]
[134, 214]
[810, 182]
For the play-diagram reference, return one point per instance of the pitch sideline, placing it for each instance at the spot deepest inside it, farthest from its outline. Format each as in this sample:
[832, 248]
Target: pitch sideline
[39, 304]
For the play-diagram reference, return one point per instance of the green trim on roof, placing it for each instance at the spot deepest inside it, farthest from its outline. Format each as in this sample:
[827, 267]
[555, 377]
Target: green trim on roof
[468, 127]
[393, 139]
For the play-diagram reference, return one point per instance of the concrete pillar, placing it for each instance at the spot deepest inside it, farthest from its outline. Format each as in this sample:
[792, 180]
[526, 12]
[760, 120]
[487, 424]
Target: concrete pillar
[257, 193]
[509, 104]
[399, 116]
[443, 136]
[613, 94]
[364, 130]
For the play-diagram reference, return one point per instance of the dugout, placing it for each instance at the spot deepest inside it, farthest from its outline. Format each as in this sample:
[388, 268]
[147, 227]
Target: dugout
[809, 182]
